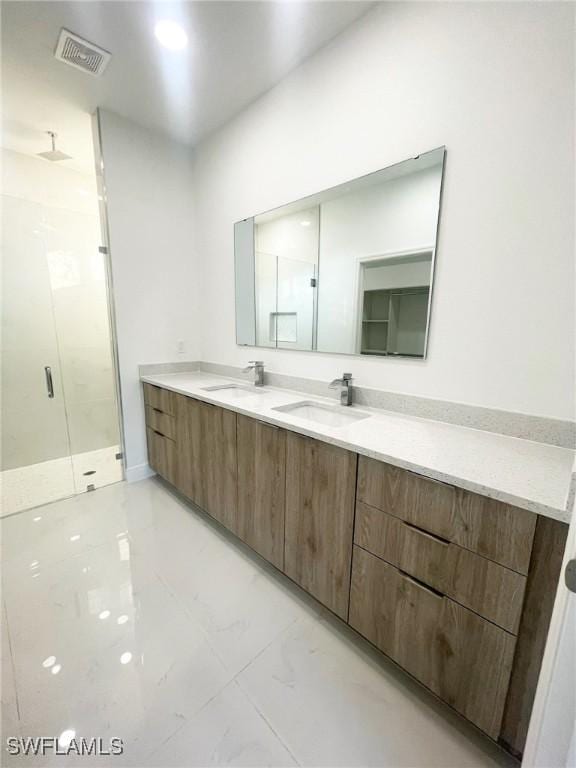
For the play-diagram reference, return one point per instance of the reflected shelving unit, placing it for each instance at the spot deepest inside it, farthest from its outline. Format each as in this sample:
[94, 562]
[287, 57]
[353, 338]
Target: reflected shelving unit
[394, 321]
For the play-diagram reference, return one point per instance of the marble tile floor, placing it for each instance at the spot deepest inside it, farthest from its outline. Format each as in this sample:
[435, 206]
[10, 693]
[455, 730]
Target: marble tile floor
[127, 613]
[37, 484]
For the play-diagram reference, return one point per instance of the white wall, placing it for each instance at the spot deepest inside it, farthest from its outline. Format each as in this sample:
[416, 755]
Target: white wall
[493, 82]
[150, 214]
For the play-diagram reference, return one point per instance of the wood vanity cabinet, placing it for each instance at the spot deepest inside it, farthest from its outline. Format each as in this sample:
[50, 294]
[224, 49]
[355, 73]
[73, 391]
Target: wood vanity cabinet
[461, 657]
[190, 450]
[320, 492]
[220, 467]
[483, 586]
[161, 432]
[162, 455]
[207, 464]
[259, 523]
[495, 530]
[456, 588]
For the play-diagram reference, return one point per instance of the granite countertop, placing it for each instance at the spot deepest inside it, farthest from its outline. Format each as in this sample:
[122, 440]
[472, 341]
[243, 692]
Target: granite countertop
[533, 476]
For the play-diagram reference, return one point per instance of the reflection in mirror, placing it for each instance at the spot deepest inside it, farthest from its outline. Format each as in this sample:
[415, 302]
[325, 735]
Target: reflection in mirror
[286, 246]
[348, 270]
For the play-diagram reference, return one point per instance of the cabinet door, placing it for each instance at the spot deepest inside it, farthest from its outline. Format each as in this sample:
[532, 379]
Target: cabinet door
[320, 489]
[190, 474]
[218, 463]
[463, 658]
[261, 488]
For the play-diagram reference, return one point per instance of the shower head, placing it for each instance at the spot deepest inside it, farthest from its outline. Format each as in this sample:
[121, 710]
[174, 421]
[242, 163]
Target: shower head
[54, 154]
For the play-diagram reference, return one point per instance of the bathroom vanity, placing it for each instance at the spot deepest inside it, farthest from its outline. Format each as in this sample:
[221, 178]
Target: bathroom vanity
[455, 585]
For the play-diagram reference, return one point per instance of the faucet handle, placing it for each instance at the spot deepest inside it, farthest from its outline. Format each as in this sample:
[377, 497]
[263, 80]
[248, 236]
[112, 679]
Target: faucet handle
[346, 377]
[255, 362]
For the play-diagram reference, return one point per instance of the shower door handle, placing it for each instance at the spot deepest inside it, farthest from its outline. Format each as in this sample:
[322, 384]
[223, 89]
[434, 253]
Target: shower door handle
[49, 382]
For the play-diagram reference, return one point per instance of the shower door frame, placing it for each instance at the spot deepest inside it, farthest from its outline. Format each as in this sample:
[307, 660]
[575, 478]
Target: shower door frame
[104, 249]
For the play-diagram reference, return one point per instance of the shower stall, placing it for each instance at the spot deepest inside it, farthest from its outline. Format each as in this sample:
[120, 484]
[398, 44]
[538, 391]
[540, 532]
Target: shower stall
[60, 417]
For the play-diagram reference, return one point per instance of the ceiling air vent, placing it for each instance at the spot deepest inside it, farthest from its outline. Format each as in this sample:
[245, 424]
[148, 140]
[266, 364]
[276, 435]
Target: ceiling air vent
[79, 53]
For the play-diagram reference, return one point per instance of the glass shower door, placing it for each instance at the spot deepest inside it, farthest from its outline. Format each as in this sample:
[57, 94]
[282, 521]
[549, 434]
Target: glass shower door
[295, 303]
[36, 456]
[60, 425]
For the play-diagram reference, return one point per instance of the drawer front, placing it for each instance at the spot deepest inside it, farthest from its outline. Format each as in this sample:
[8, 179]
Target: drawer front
[462, 658]
[162, 455]
[161, 399]
[161, 422]
[485, 587]
[491, 528]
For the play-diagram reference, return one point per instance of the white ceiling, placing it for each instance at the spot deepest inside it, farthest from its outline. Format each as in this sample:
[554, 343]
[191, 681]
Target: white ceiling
[237, 51]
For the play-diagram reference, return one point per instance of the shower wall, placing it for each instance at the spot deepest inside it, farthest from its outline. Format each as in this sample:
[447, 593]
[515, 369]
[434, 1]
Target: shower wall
[54, 307]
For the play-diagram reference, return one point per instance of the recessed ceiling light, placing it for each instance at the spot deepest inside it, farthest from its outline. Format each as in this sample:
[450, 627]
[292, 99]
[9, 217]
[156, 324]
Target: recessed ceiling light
[305, 223]
[171, 35]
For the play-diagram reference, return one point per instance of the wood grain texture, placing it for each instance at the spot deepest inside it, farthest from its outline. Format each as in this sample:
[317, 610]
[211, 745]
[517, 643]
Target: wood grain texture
[161, 422]
[219, 464]
[190, 472]
[162, 455]
[483, 586]
[162, 399]
[543, 576]
[320, 491]
[462, 658]
[261, 450]
[491, 528]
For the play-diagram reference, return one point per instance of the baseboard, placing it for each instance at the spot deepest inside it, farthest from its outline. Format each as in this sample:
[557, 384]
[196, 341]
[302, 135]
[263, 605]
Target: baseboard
[139, 472]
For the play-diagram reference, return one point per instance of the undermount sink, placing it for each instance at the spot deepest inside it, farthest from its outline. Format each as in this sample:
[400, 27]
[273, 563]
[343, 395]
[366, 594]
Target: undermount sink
[331, 416]
[235, 390]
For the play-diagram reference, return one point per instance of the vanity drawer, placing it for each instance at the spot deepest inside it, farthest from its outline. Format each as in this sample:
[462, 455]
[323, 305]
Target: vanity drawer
[461, 657]
[162, 455]
[483, 586]
[491, 528]
[161, 399]
[161, 422]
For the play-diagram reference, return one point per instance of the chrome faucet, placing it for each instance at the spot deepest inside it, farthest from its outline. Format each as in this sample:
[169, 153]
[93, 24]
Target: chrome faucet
[346, 388]
[258, 367]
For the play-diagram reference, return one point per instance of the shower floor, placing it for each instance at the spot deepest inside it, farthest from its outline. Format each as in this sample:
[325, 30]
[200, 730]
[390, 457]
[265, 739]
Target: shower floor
[26, 487]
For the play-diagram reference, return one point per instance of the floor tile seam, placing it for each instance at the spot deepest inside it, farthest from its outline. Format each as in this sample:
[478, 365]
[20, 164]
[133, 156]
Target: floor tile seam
[193, 620]
[267, 721]
[191, 717]
[267, 646]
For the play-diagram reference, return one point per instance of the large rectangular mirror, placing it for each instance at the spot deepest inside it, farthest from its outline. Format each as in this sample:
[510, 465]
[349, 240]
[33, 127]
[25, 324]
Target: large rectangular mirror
[347, 270]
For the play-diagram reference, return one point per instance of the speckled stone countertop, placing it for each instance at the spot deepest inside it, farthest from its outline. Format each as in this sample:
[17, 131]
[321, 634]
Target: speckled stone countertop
[530, 475]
